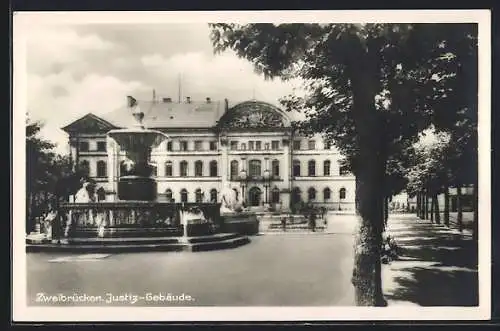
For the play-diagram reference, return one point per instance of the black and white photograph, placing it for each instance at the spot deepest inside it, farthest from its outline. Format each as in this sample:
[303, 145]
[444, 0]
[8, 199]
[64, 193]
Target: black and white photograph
[216, 166]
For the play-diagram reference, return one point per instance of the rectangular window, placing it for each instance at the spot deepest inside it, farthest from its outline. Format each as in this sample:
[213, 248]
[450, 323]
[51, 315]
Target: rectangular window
[101, 146]
[258, 145]
[250, 145]
[169, 146]
[296, 168]
[184, 145]
[84, 146]
[311, 145]
[213, 145]
[328, 145]
[198, 145]
[296, 145]
[234, 145]
[276, 145]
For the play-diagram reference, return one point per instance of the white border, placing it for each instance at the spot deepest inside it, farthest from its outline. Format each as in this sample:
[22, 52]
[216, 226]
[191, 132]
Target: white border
[24, 22]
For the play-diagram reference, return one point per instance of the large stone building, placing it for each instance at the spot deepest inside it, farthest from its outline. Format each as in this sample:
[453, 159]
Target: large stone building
[249, 147]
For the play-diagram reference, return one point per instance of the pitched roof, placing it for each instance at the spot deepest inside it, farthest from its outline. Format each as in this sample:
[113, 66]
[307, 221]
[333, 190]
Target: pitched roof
[169, 114]
[89, 123]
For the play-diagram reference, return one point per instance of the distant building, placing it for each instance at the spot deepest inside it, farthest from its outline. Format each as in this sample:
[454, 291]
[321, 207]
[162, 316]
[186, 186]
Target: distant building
[249, 147]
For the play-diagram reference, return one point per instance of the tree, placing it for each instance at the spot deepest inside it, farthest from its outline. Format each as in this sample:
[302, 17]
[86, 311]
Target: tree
[368, 86]
[44, 172]
[38, 158]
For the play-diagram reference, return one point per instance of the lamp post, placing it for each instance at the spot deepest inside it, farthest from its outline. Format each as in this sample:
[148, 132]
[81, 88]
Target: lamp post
[243, 177]
[267, 176]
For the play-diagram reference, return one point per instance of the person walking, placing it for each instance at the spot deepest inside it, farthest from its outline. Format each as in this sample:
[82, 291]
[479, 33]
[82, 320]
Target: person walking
[312, 221]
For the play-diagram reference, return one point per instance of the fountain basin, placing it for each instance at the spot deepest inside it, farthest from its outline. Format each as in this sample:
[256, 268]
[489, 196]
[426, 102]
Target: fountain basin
[244, 223]
[139, 226]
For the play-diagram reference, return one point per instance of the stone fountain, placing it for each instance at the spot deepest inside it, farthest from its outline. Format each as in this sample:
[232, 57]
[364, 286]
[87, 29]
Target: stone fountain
[137, 221]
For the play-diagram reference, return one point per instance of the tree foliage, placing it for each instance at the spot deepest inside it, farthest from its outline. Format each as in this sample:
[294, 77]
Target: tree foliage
[370, 88]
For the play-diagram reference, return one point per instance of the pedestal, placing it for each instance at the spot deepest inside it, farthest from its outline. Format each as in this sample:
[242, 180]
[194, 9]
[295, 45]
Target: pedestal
[137, 188]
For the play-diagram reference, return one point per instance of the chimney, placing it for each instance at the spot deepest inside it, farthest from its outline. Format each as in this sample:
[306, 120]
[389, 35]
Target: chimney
[209, 100]
[226, 105]
[188, 99]
[167, 100]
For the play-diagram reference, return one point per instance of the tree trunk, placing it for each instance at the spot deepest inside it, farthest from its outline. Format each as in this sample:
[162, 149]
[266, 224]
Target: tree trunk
[432, 208]
[426, 206]
[437, 217]
[367, 266]
[419, 205]
[386, 211]
[459, 208]
[475, 224]
[446, 205]
[370, 177]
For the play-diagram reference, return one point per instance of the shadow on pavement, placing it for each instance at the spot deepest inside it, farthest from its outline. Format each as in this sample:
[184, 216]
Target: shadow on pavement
[435, 266]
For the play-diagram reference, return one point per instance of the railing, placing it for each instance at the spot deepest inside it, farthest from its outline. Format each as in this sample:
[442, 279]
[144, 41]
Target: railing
[128, 217]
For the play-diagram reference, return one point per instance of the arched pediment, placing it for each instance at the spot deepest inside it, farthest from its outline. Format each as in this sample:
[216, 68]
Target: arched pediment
[253, 115]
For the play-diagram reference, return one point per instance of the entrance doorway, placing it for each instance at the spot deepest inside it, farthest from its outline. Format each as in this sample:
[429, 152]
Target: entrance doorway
[254, 195]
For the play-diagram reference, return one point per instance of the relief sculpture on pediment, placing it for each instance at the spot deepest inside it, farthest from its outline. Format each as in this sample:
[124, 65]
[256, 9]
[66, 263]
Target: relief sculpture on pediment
[255, 117]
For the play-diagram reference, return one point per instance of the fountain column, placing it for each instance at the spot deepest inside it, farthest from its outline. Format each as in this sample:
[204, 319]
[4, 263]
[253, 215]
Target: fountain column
[136, 182]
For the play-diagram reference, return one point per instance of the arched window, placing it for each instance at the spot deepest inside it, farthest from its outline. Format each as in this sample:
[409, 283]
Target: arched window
[213, 195]
[184, 195]
[275, 195]
[168, 195]
[311, 168]
[85, 168]
[198, 196]
[342, 193]
[213, 169]
[326, 168]
[101, 194]
[311, 194]
[198, 168]
[168, 169]
[254, 167]
[275, 165]
[101, 168]
[327, 193]
[296, 168]
[234, 169]
[183, 167]
[296, 195]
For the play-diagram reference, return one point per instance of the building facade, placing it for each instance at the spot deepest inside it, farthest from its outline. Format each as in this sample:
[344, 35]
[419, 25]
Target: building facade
[249, 147]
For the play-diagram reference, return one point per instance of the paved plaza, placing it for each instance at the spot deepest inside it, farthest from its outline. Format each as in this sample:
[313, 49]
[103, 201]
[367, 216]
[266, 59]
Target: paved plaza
[437, 267]
[290, 269]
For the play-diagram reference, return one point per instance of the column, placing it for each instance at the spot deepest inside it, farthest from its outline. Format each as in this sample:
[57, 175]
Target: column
[285, 170]
[111, 151]
[224, 163]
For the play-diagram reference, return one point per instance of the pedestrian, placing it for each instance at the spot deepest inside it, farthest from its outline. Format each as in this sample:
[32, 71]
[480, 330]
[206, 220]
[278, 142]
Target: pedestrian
[312, 221]
[283, 223]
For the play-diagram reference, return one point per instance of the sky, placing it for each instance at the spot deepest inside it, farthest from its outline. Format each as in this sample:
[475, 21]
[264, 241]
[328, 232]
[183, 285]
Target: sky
[74, 69]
